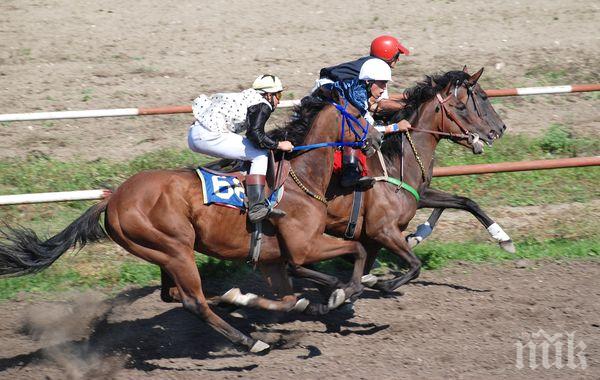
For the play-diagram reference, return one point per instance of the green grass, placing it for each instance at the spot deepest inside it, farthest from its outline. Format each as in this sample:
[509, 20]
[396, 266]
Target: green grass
[66, 275]
[525, 188]
[436, 255]
[93, 272]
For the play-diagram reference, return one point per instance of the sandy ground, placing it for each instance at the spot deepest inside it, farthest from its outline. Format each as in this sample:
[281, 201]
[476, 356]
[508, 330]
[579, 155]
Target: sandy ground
[463, 322]
[58, 55]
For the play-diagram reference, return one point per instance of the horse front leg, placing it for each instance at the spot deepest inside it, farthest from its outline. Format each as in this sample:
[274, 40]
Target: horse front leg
[393, 240]
[320, 248]
[433, 198]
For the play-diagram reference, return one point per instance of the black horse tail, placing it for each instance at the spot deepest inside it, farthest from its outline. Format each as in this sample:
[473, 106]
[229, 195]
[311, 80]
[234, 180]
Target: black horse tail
[24, 253]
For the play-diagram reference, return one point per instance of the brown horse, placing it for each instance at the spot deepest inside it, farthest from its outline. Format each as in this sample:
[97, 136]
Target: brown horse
[160, 216]
[476, 99]
[386, 211]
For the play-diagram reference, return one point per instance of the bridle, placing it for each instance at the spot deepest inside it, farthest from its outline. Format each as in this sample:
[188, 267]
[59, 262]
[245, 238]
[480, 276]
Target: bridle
[471, 137]
[447, 114]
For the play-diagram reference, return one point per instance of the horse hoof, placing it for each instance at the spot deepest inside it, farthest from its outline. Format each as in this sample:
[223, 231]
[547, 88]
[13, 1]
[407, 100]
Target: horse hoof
[301, 305]
[336, 299]
[368, 280]
[412, 241]
[239, 313]
[260, 348]
[347, 308]
[508, 246]
[231, 296]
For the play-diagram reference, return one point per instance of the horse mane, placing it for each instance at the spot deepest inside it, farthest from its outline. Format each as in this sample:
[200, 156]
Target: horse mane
[425, 90]
[420, 93]
[296, 129]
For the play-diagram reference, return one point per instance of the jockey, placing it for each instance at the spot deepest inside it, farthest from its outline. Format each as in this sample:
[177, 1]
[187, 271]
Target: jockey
[362, 93]
[219, 119]
[385, 48]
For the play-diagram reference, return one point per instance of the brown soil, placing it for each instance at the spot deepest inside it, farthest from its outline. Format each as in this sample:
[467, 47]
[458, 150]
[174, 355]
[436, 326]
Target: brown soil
[460, 322]
[87, 55]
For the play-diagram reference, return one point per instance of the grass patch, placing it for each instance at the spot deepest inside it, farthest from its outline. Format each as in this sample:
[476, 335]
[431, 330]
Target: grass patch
[437, 255]
[110, 276]
[525, 188]
[67, 275]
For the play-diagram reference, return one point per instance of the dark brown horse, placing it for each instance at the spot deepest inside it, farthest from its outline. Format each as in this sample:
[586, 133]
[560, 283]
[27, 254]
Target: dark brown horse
[476, 100]
[386, 211]
[160, 216]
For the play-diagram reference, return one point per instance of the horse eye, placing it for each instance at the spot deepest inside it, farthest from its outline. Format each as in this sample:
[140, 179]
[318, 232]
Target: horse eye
[460, 106]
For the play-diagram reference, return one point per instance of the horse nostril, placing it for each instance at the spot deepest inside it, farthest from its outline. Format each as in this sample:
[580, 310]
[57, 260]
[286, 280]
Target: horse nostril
[503, 127]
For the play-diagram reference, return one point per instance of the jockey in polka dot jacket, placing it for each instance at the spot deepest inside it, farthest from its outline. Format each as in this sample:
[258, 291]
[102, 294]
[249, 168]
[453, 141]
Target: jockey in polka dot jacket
[219, 120]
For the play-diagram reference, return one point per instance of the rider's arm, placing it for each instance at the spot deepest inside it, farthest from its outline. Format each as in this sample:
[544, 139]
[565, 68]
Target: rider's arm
[256, 119]
[401, 126]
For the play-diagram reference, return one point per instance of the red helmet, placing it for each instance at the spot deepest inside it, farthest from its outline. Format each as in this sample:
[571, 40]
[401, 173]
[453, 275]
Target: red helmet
[387, 48]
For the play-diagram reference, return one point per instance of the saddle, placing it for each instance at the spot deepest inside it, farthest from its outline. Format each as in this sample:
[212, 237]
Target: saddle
[226, 178]
[223, 181]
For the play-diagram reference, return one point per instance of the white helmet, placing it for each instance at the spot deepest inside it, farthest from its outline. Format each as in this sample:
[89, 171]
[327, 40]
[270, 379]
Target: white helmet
[375, 69]
[267, 83]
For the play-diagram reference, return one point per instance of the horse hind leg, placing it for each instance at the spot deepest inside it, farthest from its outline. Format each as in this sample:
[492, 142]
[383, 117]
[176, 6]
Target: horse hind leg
[176, 258]
[168, 289]
[276, 276]
[185, 274]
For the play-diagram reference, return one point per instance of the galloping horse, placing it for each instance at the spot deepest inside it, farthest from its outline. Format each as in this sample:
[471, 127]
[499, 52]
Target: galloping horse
[438, 109]
[387, 211]
[476, 100]
[159, 216]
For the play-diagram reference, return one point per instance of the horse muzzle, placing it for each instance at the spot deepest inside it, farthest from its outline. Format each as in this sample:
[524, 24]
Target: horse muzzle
[475, 143]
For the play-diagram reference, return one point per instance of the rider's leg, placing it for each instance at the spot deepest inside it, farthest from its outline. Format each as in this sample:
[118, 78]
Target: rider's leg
[234, 146]
[351, 171]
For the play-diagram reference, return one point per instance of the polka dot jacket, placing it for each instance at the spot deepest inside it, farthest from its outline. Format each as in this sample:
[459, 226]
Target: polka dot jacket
[226, 112]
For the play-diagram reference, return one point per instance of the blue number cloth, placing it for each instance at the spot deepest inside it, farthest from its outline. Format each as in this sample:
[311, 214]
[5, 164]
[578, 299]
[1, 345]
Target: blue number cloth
[228, 190]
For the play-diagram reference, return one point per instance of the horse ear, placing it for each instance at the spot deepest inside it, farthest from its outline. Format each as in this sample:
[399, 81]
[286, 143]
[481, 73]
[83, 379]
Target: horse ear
[447, 88]
[464, 68]
[433, 84]
[475, 77]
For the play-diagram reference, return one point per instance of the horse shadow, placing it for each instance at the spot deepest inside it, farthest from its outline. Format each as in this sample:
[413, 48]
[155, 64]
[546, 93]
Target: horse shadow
[176, 334]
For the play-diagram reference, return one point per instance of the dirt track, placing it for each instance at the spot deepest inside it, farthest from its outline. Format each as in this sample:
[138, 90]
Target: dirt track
[461, 322]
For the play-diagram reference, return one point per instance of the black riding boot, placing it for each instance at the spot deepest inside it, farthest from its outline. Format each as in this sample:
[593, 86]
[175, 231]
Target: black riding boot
[351, 173]
[257, 205]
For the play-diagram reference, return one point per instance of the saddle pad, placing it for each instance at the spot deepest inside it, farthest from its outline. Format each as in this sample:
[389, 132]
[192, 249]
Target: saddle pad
[228, 190]
[338, 159]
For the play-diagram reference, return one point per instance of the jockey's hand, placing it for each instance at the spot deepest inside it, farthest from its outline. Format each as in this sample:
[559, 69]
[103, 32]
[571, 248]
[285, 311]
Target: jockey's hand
[286, 146]
[403, 125]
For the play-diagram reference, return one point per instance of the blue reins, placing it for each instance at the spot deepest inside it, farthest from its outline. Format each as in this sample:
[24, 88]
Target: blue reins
[352, 122]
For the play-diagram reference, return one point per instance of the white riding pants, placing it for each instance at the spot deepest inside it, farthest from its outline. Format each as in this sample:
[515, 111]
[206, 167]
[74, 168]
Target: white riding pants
[227, 145]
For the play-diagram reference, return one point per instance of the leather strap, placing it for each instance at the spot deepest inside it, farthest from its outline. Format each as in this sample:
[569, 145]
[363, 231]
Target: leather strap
[356, 204]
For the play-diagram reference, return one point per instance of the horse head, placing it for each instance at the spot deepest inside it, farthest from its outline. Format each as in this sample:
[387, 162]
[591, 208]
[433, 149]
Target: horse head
[440, 105]
[470, 92]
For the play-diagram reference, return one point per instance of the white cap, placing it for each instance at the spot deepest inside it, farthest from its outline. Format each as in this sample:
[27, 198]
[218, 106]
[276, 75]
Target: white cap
[375, 69]
[267, 83]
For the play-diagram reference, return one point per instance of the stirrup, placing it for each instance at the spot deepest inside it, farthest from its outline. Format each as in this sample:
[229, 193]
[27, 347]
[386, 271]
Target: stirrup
[258, 213]
[365, 182]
